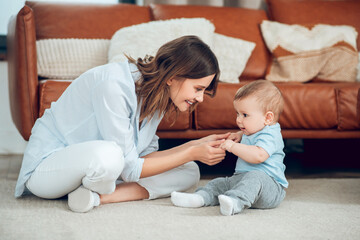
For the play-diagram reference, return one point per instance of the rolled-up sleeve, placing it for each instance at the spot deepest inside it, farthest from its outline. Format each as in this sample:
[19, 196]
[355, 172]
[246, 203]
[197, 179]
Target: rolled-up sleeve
[115, 106]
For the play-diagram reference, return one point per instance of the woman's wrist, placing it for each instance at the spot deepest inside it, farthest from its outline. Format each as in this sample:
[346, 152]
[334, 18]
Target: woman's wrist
[190, 152]
[192, 143]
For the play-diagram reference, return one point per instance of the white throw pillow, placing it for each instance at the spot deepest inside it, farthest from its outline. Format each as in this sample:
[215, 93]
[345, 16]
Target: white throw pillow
[68, 58]
[140, 40]
[232, 54]
[145, 39]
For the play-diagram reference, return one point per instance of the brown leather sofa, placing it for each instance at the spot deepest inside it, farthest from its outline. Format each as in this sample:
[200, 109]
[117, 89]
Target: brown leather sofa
[312, 110]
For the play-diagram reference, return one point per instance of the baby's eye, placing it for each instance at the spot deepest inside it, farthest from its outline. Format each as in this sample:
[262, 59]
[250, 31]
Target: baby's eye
[245, 115]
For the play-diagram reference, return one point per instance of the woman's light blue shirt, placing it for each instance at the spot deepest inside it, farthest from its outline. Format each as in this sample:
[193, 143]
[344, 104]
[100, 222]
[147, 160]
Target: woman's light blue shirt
[270, 139]
[101, 104]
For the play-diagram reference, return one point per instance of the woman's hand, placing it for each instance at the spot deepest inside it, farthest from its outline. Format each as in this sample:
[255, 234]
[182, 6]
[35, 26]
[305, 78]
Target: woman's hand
[210, 138]
[208, 152]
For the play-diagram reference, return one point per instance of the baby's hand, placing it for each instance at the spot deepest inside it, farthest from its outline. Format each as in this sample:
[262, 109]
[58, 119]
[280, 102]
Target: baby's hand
[227, 145]
[236, 137]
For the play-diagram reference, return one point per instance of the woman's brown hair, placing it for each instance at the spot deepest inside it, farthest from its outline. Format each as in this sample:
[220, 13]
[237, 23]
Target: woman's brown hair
[183, 58]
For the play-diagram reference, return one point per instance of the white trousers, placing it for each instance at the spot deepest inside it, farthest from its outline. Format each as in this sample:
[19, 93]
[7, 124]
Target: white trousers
[97, 165]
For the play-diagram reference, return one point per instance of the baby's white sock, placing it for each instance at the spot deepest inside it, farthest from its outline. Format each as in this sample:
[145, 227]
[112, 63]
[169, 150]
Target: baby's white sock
[190, 200]
[226, 205]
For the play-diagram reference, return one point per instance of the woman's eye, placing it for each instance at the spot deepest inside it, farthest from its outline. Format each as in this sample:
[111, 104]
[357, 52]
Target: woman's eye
[198, 89]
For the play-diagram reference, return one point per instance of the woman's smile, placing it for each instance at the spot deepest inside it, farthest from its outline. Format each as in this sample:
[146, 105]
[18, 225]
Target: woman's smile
[189, 102]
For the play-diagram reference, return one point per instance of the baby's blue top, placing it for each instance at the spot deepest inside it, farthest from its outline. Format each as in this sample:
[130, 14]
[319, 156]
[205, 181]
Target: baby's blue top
[101, 104]
[270, 139]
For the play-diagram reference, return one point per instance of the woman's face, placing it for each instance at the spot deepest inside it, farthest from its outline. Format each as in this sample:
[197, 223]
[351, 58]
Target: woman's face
[189, 91]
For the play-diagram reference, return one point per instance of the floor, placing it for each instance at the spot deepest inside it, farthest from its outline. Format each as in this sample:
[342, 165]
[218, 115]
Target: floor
[10, 166]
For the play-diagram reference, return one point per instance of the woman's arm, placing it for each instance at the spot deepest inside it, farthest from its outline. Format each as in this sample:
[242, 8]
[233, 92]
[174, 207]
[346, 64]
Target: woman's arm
[212, 137]
[182, 147]
[249, 153]
[207, 152]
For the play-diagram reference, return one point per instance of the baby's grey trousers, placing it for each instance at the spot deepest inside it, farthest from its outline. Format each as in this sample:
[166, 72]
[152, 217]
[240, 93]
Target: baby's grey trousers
[253, 189]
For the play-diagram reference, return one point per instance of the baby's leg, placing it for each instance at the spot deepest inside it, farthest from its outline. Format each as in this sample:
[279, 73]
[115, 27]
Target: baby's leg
[253, 189]
[204, 196]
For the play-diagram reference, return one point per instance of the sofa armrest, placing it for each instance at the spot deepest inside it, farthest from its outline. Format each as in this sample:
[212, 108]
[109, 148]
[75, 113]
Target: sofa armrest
[22, 71]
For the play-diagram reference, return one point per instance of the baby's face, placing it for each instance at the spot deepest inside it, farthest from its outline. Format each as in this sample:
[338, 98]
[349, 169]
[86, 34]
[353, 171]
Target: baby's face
[250, 116]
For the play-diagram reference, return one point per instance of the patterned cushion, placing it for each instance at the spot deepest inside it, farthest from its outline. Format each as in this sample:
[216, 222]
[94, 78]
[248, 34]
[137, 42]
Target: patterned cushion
[301, 54]
[68, 58]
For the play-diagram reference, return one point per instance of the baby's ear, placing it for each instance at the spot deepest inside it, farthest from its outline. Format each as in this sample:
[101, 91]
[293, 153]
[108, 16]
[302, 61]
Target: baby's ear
[269, 118]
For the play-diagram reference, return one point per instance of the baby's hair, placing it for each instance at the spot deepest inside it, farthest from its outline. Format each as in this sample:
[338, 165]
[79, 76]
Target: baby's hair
[267, 94]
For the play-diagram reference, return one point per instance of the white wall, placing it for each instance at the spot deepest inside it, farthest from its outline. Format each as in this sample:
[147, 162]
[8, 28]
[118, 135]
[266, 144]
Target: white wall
[7, 9]
[11, 141]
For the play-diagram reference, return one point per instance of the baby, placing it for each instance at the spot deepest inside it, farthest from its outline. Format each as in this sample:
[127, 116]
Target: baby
[259, 180]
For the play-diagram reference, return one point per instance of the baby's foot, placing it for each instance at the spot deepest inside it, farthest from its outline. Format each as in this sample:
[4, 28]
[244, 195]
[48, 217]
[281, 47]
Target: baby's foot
[83, 200]
[226, 205]
[189, 200]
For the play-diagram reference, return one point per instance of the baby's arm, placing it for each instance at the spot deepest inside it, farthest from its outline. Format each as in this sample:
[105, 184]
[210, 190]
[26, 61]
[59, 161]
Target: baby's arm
[249, 153]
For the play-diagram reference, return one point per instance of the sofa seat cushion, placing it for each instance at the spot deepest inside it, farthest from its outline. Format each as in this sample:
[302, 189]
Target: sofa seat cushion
[348, 102]
[246, 27]
[307, 106]
[51, 90]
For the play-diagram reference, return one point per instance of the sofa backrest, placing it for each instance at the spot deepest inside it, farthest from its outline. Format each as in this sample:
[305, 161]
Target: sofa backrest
[233, 22]
[54, 20]
[313, 12]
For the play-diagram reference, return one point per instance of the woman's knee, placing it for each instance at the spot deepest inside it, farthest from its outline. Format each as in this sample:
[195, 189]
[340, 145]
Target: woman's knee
[107, 157]
[193, 172]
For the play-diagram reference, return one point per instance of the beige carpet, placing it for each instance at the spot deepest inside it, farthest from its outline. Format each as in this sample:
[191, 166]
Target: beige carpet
[313, 209]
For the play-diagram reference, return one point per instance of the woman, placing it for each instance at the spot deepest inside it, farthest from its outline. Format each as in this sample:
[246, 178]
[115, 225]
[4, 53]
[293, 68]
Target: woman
[101, 131]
